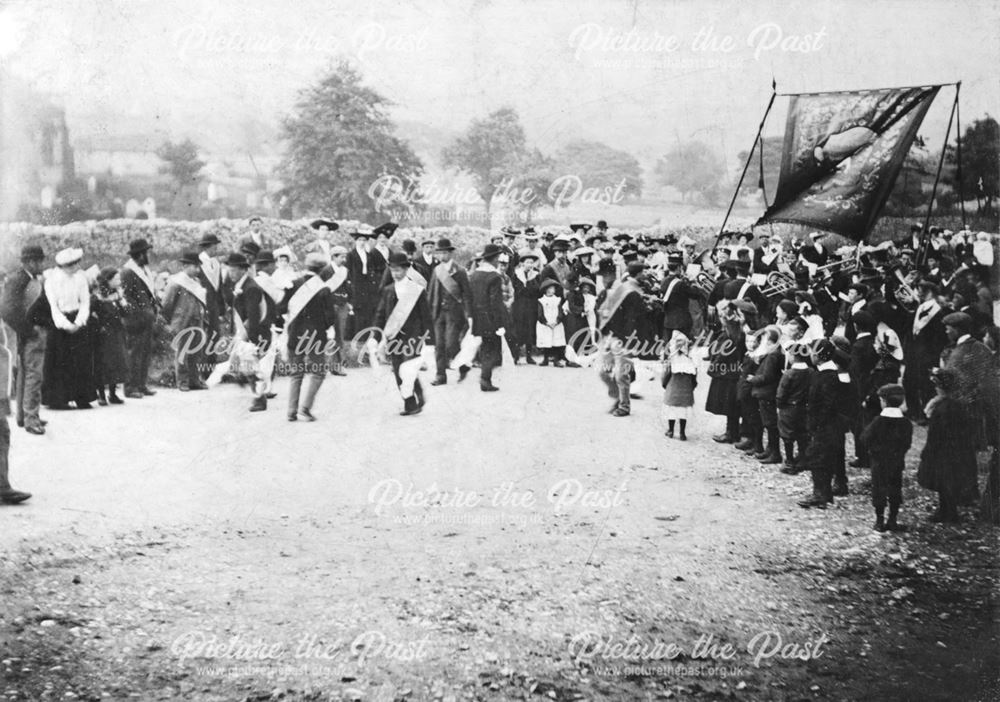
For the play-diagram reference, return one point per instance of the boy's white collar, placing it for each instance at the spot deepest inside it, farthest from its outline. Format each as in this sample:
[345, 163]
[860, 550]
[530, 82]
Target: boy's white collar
[892, 412]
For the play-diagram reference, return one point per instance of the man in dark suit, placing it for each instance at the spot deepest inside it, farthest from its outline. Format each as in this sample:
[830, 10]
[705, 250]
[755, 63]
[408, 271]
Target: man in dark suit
[675, 293]
[309, 308]
[741, 288]
[488, 314]
[404, 318]
[864, 357]
[424, 262]
[923, 347]
[620, 312]
[212, 278]
[22, 296]
[450, 308]
[364, 271]
[253, 314]
[138, 293]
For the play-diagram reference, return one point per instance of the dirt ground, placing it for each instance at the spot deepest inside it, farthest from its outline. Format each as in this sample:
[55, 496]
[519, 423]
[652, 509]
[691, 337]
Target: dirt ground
[517, 545]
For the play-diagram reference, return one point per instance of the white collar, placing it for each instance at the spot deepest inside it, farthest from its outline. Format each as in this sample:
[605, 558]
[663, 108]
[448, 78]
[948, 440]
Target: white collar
[827, 365]
[964, 337]
[892, 412]
[862, 335]
[800, 365]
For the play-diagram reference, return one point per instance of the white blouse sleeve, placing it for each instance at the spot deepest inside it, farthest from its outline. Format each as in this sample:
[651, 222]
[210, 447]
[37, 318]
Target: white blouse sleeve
[52, 293]
[83, 296]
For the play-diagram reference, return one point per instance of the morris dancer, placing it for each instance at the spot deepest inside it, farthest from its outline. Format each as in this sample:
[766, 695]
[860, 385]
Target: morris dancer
[253, 313]
[404, 317]
[310, 313]
[185, 311]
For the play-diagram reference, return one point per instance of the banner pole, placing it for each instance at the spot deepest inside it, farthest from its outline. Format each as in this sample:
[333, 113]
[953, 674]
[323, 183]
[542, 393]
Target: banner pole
[925, 235]
[746, 166]
[958, 152]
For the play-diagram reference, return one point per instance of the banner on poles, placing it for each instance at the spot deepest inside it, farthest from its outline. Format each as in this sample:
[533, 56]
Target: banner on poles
[841, 155]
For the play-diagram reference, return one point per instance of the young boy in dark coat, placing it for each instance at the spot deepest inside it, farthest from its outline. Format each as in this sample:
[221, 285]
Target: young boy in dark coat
[792, 400]
[888, 438]
[751, 430]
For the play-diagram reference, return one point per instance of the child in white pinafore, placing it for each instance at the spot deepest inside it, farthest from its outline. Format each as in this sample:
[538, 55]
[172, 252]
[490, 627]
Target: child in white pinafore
[680, 378]
[550, 336]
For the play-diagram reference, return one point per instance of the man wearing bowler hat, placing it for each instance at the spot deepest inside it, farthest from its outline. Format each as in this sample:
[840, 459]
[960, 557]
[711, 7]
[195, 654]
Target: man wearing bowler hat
[488, 314]
[404, 319]
[309, 310]
[24, 309]
[253, 313]
[185, 308]
[139, 295]
[450, 307]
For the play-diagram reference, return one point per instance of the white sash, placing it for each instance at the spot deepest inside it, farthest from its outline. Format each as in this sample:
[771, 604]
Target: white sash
[306, 292]
[670, 289]
[143, 274]
[404, 305]
[183, 280]
[212, 269]
[337, 279]
[268, 286]
[921, 321]
[743, 290]
[414, 276]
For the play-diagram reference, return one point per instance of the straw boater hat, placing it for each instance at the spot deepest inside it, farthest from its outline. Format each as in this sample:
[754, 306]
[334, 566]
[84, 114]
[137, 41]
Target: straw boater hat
[69, 256]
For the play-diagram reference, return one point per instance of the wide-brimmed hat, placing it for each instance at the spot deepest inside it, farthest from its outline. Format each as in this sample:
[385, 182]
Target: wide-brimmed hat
[32, 252]
[525, 254]
[548, 283]
[386, 230]
[264, 257]
[328, 223]
[444, 244]
[190, 258]
[137, 246]
[68, 256]
[249, 249]
[560, 245]
[584, 251]
[284, 251]
[208, 240]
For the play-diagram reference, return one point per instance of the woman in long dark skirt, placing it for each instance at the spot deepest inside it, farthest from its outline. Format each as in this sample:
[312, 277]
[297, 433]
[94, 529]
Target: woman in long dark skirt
[110, 361]
[948, 462]
[69, 354]
[726, 352]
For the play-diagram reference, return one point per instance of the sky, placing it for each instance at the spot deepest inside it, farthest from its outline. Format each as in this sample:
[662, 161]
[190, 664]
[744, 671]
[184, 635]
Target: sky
[638, 75]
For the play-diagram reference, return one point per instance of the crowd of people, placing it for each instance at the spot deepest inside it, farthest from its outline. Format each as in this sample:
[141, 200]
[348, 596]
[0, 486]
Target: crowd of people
[804, 345]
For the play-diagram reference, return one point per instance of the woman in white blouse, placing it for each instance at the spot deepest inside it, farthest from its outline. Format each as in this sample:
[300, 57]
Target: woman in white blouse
[69, 355]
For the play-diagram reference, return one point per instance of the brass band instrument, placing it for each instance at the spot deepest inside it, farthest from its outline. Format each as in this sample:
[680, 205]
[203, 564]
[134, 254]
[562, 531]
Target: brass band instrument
[704, 282]
[778, 283]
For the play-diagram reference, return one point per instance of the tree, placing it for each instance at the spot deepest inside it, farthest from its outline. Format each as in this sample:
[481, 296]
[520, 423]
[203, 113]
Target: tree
[691, 167]
[908, 192]
[599, 166]
[980, 163]
[340, 143]
[772, 166]
[181, 162]
[492, 151]
[529, 188]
